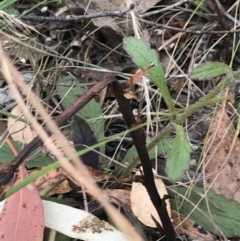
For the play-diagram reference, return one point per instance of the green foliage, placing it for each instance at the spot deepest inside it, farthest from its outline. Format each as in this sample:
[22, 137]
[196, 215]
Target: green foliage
[162, 148]
[7, 4]
[178, 156]
[36, 159]
[143, 56]
[213, 212]
[210, 70]
[92, 110]
[176, 151]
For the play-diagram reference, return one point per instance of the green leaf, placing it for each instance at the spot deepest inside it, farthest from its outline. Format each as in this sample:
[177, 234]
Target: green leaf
[214, 212]
[143, 56]
[162, 148]
[11, 11]
[62, 237]
[92, 110]
[6, 4]
[178, 157]
[210, 70]
[36, 159]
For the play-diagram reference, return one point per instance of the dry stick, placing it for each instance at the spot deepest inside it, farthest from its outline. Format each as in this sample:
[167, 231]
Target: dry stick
[223, 27]
[60, 120]
[68, 18]
[122, 15]
[139, 142]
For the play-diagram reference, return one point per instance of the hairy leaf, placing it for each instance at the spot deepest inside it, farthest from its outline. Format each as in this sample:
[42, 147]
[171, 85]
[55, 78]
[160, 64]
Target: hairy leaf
[143, 56]
[209, 70]
[83, 137]
[178, 157]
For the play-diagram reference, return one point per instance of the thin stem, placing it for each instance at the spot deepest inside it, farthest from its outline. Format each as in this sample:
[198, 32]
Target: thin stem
[179, 119]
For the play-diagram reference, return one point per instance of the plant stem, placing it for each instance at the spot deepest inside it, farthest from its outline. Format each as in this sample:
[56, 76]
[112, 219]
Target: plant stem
[179, 119]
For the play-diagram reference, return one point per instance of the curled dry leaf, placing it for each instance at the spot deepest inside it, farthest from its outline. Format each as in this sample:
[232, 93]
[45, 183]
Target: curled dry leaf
[19, 130]
[221, 170]
[141, 203]
[131, 95]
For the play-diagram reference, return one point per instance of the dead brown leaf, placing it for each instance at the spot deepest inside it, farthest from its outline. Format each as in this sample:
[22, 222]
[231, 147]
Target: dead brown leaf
[141, 204]
[123, 195]
[57, 175]
[189, 228]
[53, 177]
[137, 76]
[19, 130]
[222, 170]
[131, 95]
[178, 84]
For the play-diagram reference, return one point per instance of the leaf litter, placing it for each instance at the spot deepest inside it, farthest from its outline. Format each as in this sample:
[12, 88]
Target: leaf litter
[219, 173]
[222, 162]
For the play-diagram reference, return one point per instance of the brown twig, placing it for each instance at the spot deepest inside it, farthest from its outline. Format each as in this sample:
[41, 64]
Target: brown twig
[139, 142]
[69, 18]
[223, 27]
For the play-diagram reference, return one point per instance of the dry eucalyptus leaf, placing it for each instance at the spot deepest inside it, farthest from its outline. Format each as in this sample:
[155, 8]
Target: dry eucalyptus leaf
[123, 195]
[22, 217]
[141, 203]
[190, 228]
[222, 172]
[19, 130]
[57, 175]
[75, 223]
[53, 177]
